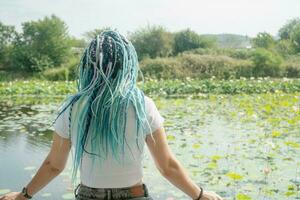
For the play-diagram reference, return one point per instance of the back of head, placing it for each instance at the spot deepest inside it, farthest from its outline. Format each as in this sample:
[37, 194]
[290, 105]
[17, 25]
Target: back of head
[109, 59]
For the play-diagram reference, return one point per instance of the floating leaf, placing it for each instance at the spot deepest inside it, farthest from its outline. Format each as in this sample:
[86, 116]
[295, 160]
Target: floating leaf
[198, 156]
[196, 146]
[47, 194]
[234, 176]
[289, 193]
[183, 145]
[171, 137]
[4, 191]
[276, 134]
[68, 196]
[292, 144]
[216, 157]
[29, 168]
[241, 196]
[212, 165]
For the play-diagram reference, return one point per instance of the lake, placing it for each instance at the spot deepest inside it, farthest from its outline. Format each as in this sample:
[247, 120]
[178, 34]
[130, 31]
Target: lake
[241, 146]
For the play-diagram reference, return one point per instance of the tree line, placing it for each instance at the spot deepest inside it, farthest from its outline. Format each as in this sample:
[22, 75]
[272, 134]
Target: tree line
[46, 44]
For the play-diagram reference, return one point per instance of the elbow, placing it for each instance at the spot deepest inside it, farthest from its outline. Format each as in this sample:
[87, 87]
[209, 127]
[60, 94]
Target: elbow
[169, 168]
[53, 169]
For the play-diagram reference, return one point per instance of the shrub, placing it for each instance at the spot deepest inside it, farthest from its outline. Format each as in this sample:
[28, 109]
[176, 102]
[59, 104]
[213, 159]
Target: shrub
[152, 41]
[66, 71]
[196, 66]
[266, 63]
[292, 67]
[161, 68]
[188, 39]
[234, 53]
[264, 40]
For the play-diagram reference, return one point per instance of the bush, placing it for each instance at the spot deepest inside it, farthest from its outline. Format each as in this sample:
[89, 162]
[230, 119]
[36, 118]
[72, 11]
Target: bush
[153, 41]
[266, 63]
[264, 40]
[65, 72]
[188, 39]
[285, 47]
[196, 66]
[161, 68]
[292, 67]
[234, 53]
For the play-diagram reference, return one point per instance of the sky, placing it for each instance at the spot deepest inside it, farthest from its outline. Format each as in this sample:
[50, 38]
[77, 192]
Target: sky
[245, 17]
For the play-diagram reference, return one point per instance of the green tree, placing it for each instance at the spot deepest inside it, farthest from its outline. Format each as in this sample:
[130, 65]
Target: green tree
[7, 36]
[295, 38]
[42, 44]
[188, 39]
[152, 41]
[285, 47]
[288, 28]
[266, 63]
[264, 40]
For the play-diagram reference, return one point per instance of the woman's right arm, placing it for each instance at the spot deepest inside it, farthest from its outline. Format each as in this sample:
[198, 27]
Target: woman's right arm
[171, 168]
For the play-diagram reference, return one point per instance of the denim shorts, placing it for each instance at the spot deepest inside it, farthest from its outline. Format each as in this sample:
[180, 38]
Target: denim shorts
[83, 192]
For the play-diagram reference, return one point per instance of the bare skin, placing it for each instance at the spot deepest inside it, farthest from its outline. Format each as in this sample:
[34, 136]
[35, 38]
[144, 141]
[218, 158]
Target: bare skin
[163, 157]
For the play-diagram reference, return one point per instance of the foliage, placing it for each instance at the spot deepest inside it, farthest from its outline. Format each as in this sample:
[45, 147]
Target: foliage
[295, 38]
[7, 35]
[68, 71]
[292, 67]
[266, 63]
[41, 45]
[242, 54]
[152, 41]
[233, 41]
[263, 40]
[285, 47]
[188, 39]
[291, 32]
[197, 66]
[77, 43]
[155, 87]
[286, 31]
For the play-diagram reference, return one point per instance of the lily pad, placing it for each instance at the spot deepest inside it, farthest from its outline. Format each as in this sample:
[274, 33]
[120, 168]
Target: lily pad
[68, 196]
[4, 191]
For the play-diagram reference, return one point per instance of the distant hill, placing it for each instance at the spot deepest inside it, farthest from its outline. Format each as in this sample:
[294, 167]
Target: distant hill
[231, 40]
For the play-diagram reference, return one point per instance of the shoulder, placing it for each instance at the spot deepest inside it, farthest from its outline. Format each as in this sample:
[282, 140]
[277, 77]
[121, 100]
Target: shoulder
[149, 103]
[61, 124]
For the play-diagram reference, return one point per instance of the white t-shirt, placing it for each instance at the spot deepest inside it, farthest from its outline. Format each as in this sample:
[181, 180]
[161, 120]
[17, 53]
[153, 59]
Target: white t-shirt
[111, 174]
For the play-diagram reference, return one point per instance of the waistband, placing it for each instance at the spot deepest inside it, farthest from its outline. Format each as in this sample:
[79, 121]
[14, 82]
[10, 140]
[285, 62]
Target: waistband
[115, 193]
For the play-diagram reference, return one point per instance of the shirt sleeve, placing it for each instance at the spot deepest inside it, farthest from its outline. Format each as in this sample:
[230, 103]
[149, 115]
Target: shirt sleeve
[61, 125]
[153, 115]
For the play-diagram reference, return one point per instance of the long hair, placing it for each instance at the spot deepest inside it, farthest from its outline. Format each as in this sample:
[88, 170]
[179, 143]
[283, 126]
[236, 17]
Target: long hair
[106, 84]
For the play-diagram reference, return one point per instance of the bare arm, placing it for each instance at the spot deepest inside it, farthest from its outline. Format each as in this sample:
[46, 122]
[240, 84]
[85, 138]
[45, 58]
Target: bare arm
[171, 168]
[52, 166]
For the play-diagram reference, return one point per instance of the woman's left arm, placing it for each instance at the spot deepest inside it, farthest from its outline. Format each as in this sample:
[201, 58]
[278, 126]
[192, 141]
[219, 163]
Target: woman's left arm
[52, 166]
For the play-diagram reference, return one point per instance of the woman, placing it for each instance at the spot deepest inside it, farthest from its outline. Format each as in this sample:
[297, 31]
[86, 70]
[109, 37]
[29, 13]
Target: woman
[107, 122]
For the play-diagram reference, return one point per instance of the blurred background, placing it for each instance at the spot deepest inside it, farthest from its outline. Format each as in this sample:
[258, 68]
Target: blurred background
[224, 74]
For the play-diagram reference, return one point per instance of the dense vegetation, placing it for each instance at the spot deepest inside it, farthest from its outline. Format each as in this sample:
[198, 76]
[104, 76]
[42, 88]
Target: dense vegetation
[167, 88]
[44, 49]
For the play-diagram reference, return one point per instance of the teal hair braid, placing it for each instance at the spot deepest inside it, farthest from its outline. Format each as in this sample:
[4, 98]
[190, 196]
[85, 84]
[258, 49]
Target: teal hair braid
[106, 87]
